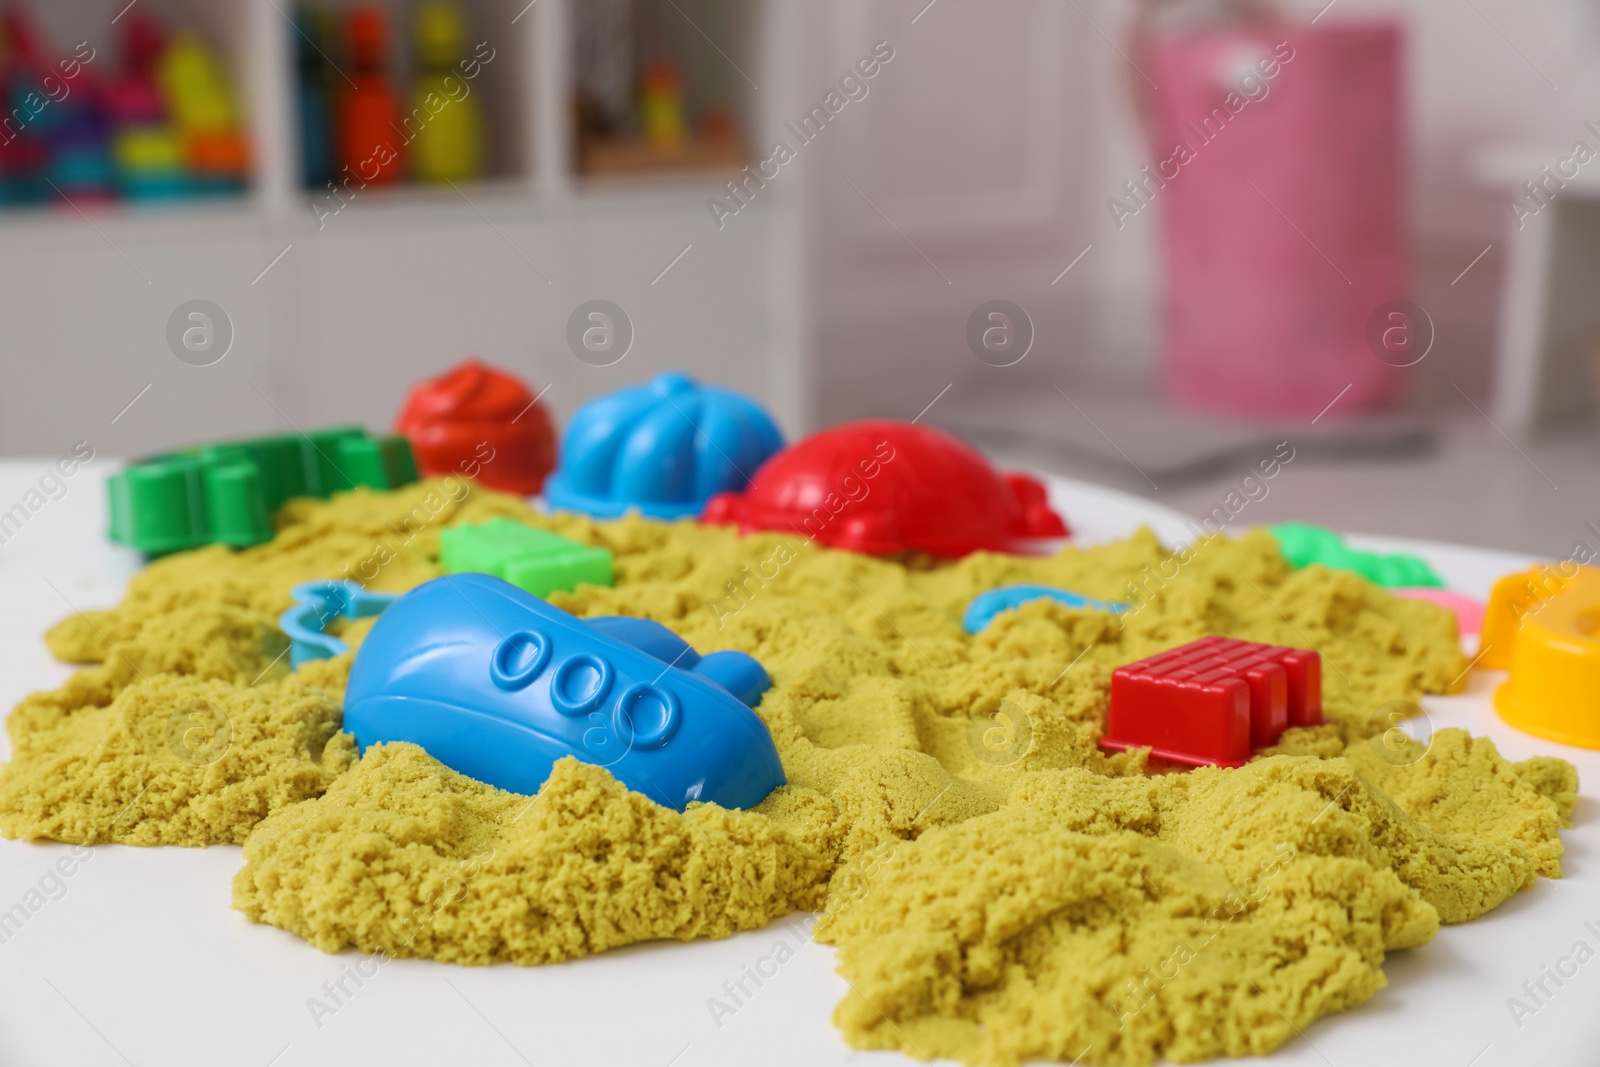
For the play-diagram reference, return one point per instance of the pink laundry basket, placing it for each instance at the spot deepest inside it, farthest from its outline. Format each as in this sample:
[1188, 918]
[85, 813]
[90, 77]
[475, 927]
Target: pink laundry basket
[1286, 231]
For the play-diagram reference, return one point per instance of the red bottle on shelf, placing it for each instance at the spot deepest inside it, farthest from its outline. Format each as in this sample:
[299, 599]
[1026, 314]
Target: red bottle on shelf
[369, 141]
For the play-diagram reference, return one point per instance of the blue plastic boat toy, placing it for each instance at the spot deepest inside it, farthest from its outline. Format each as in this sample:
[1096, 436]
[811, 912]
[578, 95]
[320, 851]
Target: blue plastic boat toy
[498, 685]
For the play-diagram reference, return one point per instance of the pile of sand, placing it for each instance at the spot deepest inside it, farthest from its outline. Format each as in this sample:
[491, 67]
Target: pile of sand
[998, 888]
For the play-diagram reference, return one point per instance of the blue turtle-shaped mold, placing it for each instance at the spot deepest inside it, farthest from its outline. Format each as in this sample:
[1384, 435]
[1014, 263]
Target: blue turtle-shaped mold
[664, 448]
[498, 685]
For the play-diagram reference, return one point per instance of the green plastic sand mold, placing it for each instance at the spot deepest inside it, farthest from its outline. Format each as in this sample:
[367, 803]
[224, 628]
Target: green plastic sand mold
[1303, 544]
[537, 561]
[226, 493]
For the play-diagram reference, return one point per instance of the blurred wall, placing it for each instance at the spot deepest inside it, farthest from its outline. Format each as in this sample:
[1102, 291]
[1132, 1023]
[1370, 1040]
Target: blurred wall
[1480, 76]
[976, 166]
[960, 114]
[968, 175]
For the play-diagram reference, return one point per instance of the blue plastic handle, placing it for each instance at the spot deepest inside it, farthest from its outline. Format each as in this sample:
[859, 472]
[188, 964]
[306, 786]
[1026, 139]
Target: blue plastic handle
[499, 684]
[985, 606]
[316, 603]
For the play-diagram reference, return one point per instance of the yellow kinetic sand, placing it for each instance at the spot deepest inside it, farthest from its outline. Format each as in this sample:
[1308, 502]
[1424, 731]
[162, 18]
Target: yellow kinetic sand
[997, 887]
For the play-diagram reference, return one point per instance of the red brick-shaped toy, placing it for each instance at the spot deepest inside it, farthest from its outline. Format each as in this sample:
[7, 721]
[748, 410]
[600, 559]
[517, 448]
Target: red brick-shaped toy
[1214, 700]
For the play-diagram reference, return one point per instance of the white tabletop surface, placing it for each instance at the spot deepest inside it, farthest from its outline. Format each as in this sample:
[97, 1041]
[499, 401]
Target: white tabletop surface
[142, 961]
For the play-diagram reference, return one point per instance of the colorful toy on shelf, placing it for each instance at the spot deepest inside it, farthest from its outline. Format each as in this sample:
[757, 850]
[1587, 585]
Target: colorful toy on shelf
[985, 606]
[535, 561]
[718, 126]
[1303, 544]
[448, 134]
[882, 487]
[226, 493]
[80, 145]
[498, 685]
[477, 420]
[319, 603]
[665, 449]
[149, 163]
[645, 100]
[28, 118]
[1213, 701]
[142, 42]
[166, 124]
[204, 115]
[661, 111]
[314, 95]
[23, 162]
[369, 138]
[146, 152]
[1468, 610]
[1554, 654]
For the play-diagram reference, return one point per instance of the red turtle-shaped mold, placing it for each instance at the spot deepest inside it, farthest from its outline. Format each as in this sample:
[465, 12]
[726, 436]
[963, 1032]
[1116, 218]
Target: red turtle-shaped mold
[881, 487]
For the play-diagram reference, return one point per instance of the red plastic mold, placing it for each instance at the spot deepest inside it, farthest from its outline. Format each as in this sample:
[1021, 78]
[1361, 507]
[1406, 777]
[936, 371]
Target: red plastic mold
[482, 422]
[1213, 701]
[880, 487]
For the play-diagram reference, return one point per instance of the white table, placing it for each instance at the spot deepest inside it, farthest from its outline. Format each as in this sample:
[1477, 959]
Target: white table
[142, 961]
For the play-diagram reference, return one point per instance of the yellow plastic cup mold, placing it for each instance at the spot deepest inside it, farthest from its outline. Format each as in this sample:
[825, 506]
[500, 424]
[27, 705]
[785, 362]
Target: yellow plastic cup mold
[1545, 628]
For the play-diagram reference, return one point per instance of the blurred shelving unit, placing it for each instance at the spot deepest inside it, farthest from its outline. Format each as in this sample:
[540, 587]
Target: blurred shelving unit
[319, 298]
[653, 92]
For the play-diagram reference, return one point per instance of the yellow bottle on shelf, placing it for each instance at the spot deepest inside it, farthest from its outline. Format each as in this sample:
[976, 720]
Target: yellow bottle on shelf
[661, 110]
[445, 123]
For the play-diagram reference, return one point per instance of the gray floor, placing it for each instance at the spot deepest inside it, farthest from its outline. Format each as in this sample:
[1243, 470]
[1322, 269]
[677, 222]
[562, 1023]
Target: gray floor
[1473, 487]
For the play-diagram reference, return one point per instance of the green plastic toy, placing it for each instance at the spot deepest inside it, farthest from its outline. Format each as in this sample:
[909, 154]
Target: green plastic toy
[226, 493]
[535, 560]
[1303, 544]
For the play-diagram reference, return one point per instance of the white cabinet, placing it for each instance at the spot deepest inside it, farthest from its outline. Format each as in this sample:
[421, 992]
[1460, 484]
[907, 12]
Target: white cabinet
[960, 178]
